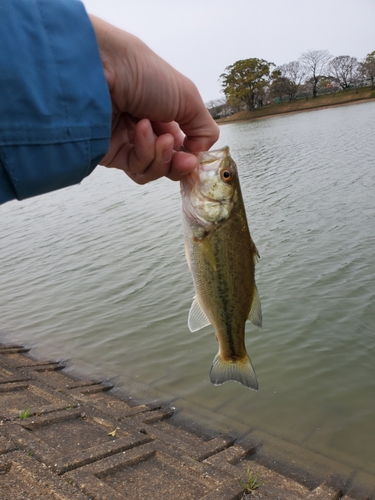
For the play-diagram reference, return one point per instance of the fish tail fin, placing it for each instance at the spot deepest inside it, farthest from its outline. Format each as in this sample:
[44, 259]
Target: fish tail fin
[241, 371]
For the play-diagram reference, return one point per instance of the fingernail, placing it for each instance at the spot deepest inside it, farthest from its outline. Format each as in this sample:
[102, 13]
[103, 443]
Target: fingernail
[149, 134]
[166, 155]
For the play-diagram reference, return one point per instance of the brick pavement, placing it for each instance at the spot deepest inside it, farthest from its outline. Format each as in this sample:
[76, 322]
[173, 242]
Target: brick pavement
[68, 439]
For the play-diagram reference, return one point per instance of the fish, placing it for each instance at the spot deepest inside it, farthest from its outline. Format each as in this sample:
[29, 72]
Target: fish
[221, 257]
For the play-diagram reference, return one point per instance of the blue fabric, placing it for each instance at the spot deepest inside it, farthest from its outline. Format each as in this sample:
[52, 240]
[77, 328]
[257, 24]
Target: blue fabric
[55, 108]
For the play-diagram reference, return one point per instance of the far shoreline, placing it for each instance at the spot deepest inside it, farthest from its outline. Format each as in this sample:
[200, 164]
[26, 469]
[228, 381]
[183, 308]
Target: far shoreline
[272, 111]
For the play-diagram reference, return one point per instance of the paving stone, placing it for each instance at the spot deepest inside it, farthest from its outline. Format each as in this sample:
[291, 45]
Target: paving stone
[272, 484]
[54, 377]
[230, 491]
[69, 439]
[9, 374]
[228, 460]
[172, 436]
[191, 445]
[24, 478]
[205, 450]
[152, 471]
[16, 358]
[12, 349]
[117, 408]
[10, 346]
[325, 492]
[17, 397]
[6, 445]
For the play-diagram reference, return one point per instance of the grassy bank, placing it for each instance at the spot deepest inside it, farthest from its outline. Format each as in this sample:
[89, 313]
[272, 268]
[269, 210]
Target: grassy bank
[322, 101]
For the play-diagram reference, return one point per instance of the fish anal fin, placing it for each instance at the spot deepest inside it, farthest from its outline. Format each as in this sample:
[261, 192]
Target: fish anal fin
[255, 314]
[197, 317]
[241, 371]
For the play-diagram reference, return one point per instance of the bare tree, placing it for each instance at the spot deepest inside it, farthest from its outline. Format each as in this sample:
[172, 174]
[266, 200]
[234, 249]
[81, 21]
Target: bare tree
[315, 63]
[222, 107]
[307, 88]
[287, 79]
[215, 105]
[343, 69]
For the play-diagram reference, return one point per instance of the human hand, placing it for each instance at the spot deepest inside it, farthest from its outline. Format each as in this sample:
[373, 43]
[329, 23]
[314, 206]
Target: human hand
[155, 110]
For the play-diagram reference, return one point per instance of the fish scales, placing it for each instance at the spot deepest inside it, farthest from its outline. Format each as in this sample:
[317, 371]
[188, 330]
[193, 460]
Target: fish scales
[221, 257]
[216, 289]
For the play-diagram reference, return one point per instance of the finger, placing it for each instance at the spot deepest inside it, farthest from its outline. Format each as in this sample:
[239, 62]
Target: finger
[201, 132]
[123, 127]
[189, 115]
[171, 128]
[160, 165]
[195, 120]
[142, 154]
[182, 164]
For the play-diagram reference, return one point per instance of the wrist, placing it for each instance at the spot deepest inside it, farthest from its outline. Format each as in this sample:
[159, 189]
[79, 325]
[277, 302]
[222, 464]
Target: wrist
[103, 33]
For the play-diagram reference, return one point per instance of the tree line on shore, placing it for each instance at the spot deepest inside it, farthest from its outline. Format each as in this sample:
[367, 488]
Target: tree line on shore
[251, 83]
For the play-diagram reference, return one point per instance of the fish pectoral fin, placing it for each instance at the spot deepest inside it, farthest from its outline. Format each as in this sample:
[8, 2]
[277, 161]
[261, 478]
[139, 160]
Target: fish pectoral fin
[208, 252]
[197, 317]
[187, 256]
[241, 371]
[255, 314]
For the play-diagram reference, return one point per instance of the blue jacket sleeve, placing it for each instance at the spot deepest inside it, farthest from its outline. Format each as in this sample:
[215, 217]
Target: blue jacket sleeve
[55, 108]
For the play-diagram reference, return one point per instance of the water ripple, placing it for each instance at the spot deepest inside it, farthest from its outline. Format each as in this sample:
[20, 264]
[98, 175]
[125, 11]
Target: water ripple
[96, 273]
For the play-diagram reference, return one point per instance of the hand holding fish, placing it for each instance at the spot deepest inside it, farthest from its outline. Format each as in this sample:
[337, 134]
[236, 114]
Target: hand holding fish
[156, 110]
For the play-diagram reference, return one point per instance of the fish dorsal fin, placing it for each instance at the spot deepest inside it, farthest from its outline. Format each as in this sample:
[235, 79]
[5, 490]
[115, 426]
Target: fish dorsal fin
[255, 315]
[255, 253]
[197, 317]
[208, 252]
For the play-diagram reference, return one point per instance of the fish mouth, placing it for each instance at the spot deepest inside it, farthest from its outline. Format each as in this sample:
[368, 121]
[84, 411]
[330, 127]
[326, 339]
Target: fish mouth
[205, 158]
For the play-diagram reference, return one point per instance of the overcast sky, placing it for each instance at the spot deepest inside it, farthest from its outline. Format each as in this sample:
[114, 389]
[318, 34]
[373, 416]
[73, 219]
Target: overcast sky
[201, 37]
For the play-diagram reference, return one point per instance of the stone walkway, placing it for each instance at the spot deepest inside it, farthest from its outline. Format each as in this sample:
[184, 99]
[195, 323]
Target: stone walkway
[68, 439]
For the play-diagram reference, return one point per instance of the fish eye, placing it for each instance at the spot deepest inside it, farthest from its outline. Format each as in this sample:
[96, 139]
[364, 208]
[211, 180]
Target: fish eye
[226, 175]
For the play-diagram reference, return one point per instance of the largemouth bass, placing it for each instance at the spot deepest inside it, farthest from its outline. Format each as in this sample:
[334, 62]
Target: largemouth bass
[221, 256]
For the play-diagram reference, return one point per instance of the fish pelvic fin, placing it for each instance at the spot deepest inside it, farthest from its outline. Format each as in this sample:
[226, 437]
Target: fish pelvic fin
[241, 371]
[197, 317]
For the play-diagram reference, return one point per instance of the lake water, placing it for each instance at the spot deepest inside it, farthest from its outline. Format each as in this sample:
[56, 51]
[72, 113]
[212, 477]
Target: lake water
[96, 273]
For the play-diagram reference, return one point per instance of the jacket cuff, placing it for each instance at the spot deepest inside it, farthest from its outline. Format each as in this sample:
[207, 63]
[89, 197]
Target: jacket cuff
[55, 108]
